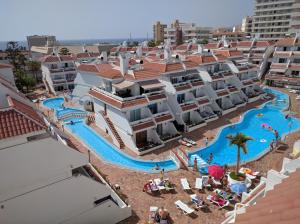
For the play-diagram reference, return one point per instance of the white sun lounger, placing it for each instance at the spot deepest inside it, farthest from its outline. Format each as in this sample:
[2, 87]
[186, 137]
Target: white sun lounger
[185, 184]
[190, 141]
[182, 206]
[157, 182]
[197, 201]
[198, 183]
[205, 181]
[216, 182]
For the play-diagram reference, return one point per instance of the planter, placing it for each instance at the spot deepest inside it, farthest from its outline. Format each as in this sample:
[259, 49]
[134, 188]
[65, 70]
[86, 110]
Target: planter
[246, 181]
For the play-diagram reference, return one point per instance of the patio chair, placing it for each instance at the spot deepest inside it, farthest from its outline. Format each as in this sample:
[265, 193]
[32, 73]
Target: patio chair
[220, 201]
[185, 184]
[198, 184]
[197, 201]
[216, 182]
[184, 208]
[224, 194]
[205, 181]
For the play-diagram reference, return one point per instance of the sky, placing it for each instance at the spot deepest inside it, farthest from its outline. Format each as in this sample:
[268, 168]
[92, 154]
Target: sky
[100, 19]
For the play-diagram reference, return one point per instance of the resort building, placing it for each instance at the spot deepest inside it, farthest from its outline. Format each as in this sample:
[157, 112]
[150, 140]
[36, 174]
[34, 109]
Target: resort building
[232, 36]
[58, 73]
[272, 20]
[188, 31]
[285, 67]
[40, 41]
[43, 179]
[129, 104]
[158, 32]
[143, 101]
[247, 25]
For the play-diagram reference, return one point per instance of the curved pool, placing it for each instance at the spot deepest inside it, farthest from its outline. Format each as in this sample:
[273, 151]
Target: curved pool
[100, 146]
[251, 125]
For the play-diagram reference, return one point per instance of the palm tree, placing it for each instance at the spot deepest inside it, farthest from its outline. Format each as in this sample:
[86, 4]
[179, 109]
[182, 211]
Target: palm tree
[64, 51]
[34, 67]
[240, 140]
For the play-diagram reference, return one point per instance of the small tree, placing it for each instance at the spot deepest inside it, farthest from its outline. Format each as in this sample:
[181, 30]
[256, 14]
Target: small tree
[64, 51]
[34, 67]
[240, 140]
[151, 43]
[24, 80]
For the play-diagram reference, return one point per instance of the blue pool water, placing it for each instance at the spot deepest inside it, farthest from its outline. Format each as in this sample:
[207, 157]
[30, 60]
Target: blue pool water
[251, 125]
[106, 151]
[56, 104]
[222, 152]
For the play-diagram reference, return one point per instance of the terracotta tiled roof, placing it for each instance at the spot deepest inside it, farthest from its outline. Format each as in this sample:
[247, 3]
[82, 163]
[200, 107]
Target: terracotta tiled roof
[197, 83]
[202, 59]
[19, 119]
[143, 125]
[104, 70]
[174, 67]
[262, 43]
[211, 46]
[87, 55]
[282, 78]
[5, 66]
[54, 58]
[163, 118]
[244, 44]
[280, 205]
[288, 42]
[116, 103]
[228, 52]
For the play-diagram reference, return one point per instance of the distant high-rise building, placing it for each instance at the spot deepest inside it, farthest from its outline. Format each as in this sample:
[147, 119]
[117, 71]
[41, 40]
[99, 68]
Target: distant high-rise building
[40, 41]
[275, 19]
[247, 25]
[187, 31]
[158, 31]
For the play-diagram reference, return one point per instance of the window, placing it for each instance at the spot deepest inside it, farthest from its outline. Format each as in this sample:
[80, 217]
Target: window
[180, 98]
[282, 60]
[135, 115]
[153, 108]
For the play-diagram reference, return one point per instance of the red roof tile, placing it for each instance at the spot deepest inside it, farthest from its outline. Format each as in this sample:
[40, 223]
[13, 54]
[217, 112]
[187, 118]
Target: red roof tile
[103, 70]
[5, 66]
[190, 106]
[183, 87]
[202, 59]
[116, 103]
[19, 119]
[288, 42]
[222, 93]
[157, 97]
[163, 118]
[203, 101]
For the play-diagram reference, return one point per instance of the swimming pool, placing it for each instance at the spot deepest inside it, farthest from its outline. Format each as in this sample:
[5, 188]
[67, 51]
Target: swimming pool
[56, 104]
[100, 146]
[222, 152]
[251, 125]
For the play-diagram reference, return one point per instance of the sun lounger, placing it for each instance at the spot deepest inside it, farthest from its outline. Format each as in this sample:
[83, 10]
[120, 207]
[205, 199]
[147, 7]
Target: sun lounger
[197, 201]
[185, 184]
[184, 143]
[198, 183]
[205, 181]
[220, 202]
[190, 141]
[216, 182]
[159, 184]
[224, 194]
[182, 206]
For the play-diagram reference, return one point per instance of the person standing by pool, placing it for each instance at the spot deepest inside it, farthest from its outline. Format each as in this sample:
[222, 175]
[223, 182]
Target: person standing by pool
[195, 168]
[276, 135]
[162, 173]
[272, 145]
[206, 141]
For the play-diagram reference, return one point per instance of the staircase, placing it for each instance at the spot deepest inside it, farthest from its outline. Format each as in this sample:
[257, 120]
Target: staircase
[201, 162]
[113, 130]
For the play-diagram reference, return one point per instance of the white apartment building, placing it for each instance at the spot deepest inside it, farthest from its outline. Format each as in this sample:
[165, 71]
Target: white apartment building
[59, 72]
[247, 25]
[273, 19]
[189, 31]
[285, 67]
[43, 180]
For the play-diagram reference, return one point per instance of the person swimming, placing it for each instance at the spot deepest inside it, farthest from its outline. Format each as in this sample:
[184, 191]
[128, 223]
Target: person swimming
[156, 167]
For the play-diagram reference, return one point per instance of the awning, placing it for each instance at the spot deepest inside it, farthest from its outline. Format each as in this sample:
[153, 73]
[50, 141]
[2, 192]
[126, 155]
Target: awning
[155, 84]
[123, 85]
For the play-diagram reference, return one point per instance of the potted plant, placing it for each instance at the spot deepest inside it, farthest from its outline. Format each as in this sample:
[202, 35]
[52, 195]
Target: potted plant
[240, 140]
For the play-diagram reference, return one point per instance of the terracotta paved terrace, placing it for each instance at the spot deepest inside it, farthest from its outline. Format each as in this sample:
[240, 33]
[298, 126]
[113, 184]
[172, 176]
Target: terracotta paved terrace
[132, 182]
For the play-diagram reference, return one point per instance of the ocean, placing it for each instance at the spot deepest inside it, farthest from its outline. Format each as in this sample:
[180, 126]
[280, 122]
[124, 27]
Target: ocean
[81, 42]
